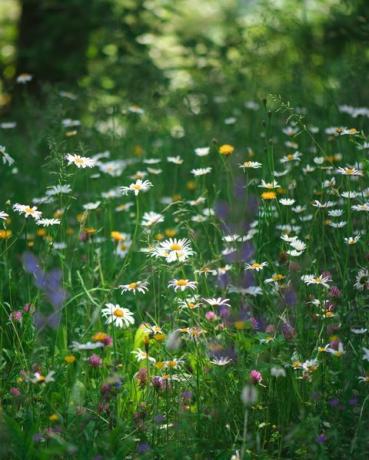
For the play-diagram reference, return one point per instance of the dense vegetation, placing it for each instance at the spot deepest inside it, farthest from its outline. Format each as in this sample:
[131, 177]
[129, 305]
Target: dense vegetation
[184, 230]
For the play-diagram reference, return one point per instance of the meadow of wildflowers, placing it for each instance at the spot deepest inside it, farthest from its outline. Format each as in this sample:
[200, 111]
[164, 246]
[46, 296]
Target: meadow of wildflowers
[193, 291]
[184, 268]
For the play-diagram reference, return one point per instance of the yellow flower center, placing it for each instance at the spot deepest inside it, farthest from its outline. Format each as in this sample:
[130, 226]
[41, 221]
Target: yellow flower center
[132, 286]
[118, 312]
[256, 265]
[181, 282]
[175, 247]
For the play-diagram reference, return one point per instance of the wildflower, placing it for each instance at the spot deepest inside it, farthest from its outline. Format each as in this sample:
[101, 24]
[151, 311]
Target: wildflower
[362, 280]
[250, 165]
[47, 222]
[95, 361]
[277, 372]
[24, 78]
[123, 246]
[79, 161]
[287, 201]
[3, 215]
[103, 338]
[349, 171]
[366, 354]
[312, 279]
[351, 240]
[151, 218]
[268, 195]
[175, 160]
[226, 149]
[182, 284]
[202, 151]
[269, 185]
[15, 392]
[256, 266]
[39, 378]
[7, 159]
[70, 359]
[221, 361]
[76, 346]
[91, 206]
[137, 286]
[363, 379]
[201, 171]
[256, 376]
[249, 395]
[361, 207]
[291, 157]
[27, 210]
[141, 355]
[174, 250]
[16, 316]
[120, 317]
[137, 187]
[217, 302]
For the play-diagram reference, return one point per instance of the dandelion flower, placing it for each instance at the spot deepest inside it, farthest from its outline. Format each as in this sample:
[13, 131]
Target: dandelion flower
[226, 149]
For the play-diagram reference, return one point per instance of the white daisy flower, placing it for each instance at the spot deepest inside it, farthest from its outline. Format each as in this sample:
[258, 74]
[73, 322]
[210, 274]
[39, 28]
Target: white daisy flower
[312, 279]
[349, 171]
[222, 361]
[58, 190]
[250, 165]
[287, 201]
[117, 315]
[256, 266]
[217, 302]
[3, 215]
[182, 284]
[48, 222]
[27, 211]
[79, 161]
[175, 160]
[201, 171]
[91, 206]
[362, 280]
[361, 207]
[137, 187]
[151, 218]
[174, 250]
[269, 185]
[137, 286]
[141, 355]
[202, 151]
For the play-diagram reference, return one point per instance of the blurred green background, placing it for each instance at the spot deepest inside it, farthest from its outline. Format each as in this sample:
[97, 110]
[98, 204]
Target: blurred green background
[315, 50]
